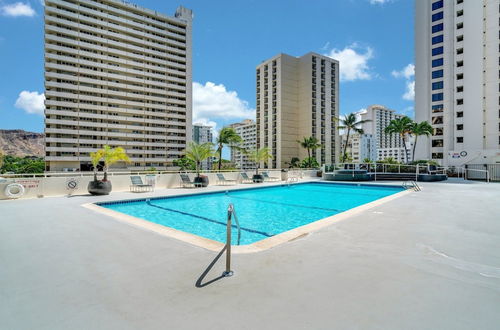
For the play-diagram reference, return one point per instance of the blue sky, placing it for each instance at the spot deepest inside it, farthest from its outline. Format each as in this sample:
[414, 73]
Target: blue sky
[373, 39]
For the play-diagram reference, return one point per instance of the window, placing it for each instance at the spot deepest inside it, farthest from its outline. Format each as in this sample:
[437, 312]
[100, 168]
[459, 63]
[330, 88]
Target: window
[460, 114]
[460, 76]
[437, 51]
[437, 85]
[460, 89]
[460, 139]
[437, 143]
[460, 127]
[460, 13]
[437, 5]
[437, 39]
[437, 16]
[437, 155]
[437, 74]
[460, 51]
[437, 108]
[437, 62]
[437, 97]
[460, 101]
[460, 63]
[438, 27]
[460, 25]
[460, 38]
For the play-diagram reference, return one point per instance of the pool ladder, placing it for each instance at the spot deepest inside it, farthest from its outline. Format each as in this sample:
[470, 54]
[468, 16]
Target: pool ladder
[230, 214]
[411, 184]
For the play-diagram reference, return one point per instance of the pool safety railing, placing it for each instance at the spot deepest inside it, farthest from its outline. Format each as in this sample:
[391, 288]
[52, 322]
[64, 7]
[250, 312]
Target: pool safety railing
[410, 184]
[230, 214]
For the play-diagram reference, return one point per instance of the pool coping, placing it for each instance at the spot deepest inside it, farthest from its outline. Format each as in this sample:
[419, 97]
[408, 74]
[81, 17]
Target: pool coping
[258, 246]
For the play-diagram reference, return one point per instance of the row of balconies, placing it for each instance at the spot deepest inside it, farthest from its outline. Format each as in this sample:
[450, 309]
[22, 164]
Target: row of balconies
[117, 19]
[96, 41]
[72, 45]
[172, 134]
[80, 88]
[141, 119]
[124, 83]
[79, 140]
[131, 75]
[126, 64]
[103, 29]
[80, 62]
[168, 111]
[89, 98]
[80, 123]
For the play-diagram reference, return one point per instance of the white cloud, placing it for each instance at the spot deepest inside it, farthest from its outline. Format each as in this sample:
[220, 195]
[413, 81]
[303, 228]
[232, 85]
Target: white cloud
[211, 101]
[31, 102]
[353, 62]
[379, 2]
[409, 95]
[17, 9]
[407, 72]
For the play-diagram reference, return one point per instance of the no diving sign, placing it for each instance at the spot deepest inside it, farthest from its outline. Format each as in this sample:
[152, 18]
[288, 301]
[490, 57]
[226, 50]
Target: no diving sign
[71, 184]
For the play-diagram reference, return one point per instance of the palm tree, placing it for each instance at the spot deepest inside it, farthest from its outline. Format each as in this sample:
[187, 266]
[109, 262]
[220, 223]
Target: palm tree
[310, 144]
[350, 123]
[401, 126]
[259, 155]
[110, 156]
[227, 136]
[198, 153]
[417, 129]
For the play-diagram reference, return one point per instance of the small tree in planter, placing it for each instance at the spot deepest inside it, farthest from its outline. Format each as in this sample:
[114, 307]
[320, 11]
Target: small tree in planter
[110, 156]
[258, 156]
[198, 153]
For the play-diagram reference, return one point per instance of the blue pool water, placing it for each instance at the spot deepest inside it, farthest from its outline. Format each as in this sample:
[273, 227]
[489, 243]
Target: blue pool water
[262, 212]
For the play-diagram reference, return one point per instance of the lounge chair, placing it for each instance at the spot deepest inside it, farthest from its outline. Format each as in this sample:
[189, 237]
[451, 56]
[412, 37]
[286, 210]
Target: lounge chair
[138, 186]
[245, 178]
[270, 178]
[221, 180]
[187, 183]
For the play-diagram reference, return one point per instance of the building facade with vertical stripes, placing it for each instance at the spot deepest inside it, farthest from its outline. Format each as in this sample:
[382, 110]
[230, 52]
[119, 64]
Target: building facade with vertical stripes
[116, 74]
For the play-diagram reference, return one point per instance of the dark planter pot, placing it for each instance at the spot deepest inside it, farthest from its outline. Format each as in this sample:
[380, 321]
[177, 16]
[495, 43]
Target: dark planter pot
[258, 178]
[99, 187]
[202, 180]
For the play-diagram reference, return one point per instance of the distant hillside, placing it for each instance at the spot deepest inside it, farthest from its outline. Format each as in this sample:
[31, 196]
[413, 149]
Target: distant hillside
[17, 142]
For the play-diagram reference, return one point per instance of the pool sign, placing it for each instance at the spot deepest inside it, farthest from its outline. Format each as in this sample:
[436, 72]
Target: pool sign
[27, 183]
[71, 184]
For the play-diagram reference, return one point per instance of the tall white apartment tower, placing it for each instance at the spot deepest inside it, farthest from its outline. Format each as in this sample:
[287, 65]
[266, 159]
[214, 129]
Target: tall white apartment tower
[116, 74]
[386, 145]
[298, 97]
[247, 130]
[457, 79]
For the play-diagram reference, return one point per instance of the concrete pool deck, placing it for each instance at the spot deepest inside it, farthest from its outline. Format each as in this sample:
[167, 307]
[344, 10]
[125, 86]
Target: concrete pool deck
[426, 260]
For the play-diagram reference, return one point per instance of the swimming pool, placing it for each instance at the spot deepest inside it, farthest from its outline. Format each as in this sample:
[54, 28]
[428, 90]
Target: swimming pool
[262, 212]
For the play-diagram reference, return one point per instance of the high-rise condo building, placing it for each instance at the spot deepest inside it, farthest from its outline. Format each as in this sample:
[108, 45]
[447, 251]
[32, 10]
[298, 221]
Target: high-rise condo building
[387, 145]
[360, 147]
[116, 74]
[247, 130]
[204, 134]
[298, 97]
[457, 80]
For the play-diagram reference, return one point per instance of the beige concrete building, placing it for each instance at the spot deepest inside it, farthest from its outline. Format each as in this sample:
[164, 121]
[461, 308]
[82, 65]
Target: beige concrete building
[247, 130]
[298, 97]
[116, 74]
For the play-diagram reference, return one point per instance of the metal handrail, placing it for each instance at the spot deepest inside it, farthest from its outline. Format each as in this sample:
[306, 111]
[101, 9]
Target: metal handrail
[477, 170]
[230, 213]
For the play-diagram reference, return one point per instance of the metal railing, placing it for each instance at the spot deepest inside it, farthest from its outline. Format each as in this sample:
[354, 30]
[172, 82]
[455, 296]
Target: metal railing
[230, 213]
